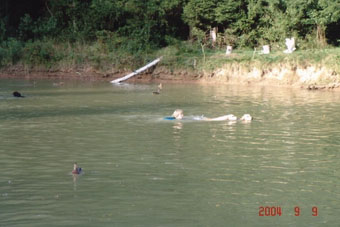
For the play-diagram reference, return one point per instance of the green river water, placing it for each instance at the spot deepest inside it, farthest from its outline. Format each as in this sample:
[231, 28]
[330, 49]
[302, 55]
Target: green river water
[141, 170]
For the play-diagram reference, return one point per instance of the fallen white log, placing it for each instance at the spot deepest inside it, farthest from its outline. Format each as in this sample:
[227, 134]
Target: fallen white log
[136, 72]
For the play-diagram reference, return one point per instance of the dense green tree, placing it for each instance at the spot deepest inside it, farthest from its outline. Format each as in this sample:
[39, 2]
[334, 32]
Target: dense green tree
[148, 23]
[200, 14]
[12, 12]
[323, 13]
[145, 24]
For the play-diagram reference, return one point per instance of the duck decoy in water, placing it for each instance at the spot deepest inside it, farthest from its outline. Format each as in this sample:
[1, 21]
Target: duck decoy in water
[158, 89]
[76, 169]
[17, 94]
[156, 92]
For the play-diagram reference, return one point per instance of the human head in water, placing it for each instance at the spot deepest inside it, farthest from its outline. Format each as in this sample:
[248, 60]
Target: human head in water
[76, 169]
[178, 114]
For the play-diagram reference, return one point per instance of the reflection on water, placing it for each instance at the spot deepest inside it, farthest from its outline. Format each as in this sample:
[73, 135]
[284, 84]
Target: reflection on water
[141, 170]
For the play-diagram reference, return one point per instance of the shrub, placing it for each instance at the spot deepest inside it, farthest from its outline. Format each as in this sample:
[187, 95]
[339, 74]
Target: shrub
[3, 59]
[40, 53]
[14, 50]
[10, 52]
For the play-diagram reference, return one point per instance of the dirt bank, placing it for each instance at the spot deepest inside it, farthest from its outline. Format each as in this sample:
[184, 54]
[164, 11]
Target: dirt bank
[90, 74]
[310, 77]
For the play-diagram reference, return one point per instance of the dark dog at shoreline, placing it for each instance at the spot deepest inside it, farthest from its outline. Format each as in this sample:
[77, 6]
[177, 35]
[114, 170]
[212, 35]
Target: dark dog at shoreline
[17, 94]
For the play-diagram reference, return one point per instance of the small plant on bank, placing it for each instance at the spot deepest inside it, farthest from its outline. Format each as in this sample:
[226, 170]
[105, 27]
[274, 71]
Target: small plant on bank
[40, 53]
[10, 52]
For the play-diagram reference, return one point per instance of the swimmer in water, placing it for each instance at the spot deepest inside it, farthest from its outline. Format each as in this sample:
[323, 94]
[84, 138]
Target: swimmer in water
[76, 169]
[229, 117]
[246, 118]
[178, 114]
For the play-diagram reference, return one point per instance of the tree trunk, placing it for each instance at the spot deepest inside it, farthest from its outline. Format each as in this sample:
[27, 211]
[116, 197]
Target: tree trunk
[202, 45]
[213, 35]
[321, 35]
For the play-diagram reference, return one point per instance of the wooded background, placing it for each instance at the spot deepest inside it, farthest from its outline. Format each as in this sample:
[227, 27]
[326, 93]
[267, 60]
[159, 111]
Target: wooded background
[147, 24]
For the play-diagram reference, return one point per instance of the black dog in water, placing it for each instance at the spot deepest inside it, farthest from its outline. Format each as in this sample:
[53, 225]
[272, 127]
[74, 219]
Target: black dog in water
[17, 94]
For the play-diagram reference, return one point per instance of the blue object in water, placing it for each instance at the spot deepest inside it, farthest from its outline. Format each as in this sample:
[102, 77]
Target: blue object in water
[169, 118]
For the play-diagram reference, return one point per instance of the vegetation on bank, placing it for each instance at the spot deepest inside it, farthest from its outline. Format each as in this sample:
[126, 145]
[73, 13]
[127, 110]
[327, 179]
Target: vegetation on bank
[121, 35]
[184, 56]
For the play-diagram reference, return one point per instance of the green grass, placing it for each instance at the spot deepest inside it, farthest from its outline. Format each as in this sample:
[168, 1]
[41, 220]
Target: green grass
[184, 56]
[329, 58]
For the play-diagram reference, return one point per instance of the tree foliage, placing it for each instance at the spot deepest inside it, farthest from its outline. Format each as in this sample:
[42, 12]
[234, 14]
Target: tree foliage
[147, 24]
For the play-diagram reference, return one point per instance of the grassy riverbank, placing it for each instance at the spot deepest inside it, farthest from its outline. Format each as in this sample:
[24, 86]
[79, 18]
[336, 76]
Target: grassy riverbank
[185, 58]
